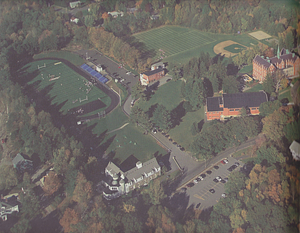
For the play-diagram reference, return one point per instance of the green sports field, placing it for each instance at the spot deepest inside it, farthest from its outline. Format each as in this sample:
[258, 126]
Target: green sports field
[64, 87]
[175, 43]
[234, 48]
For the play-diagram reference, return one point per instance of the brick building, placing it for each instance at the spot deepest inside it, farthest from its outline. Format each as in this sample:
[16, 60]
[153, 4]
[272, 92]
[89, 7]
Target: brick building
[151, 76]
[288, 62]
[230, 105]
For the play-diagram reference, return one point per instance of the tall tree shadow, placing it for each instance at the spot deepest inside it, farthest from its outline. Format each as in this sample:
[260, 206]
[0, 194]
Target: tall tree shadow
[151, 110]
[177, 114]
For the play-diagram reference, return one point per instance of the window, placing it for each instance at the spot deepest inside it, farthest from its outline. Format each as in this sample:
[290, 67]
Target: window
[231, 110]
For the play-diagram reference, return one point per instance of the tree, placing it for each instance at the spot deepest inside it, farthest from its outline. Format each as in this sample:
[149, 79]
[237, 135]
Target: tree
[51, 183]
[273, 124]
[268, 84]
[230, 84]
[137, 91]
[8, 176]
[83, 190]
[269, 107]
[21, 226]
[155, 192]
[161, 117]
[69, 218]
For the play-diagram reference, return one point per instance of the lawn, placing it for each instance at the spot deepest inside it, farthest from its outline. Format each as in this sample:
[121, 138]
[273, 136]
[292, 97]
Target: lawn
[112, 121]
[247, 69]
[182, 133]
[131, 141]
[180, 44]
[286, 93]
[62, 85]
[257, 87]
[167, 95]
[71, 57]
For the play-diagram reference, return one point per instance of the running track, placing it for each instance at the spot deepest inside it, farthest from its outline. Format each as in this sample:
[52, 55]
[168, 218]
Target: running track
[113, 96]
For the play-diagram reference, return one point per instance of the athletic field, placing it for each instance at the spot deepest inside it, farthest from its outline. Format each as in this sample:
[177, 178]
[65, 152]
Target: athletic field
[64, 87]
[175, 43]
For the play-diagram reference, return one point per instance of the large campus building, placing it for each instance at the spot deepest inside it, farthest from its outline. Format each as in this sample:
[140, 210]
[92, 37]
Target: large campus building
[288, 62]
[118, 182]
[230, 105]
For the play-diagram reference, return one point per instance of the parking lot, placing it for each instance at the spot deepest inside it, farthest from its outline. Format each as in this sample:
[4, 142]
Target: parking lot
[209, 190]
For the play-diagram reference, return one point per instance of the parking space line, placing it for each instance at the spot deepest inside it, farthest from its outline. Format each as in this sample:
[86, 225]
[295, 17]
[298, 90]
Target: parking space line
[197, 196]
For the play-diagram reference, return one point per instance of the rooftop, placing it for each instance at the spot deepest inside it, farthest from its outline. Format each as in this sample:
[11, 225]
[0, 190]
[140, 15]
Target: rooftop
[151, 72]
[213, 103]
[146, 168]
[245, 99]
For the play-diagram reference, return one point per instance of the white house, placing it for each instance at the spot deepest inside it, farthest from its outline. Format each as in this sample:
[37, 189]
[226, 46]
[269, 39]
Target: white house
[118, 182]
[295, 150]
[115, 14]
[75, 4]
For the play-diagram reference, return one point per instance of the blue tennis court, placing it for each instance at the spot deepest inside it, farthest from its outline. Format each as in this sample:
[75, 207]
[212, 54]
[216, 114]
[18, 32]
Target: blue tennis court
[94, 73]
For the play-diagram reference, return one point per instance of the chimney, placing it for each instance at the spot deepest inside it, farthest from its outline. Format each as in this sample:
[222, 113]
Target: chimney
[139, 164]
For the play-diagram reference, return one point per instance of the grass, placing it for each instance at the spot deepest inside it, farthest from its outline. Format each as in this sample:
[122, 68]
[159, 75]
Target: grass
[167, 95]
[234, 48]
[180, 44]
[112, 121]
[131, 141]
[257, 87]
[71, 57]
[247, 69]
[64, 90]
[242, 152]
[286, 93]
[182, 132]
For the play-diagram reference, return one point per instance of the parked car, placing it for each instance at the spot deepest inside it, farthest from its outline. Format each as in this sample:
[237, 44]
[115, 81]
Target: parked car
[202, 176]
[212, 190]
[199, 179]
[237, 164]
[216, 180]
[195, 181]
[182, 148]
[208, 172]
[189, 185]
[223, 195]
[224, 161]
[225, 179]
[216, 167]
[219, 178]
[183, 189]
[198, 205]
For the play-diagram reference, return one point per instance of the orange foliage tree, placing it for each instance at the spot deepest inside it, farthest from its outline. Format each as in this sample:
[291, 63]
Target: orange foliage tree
[52, 183]
[69, 218]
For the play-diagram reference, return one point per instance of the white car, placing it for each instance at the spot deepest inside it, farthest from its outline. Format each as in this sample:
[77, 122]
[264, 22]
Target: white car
[195, 181]
[128, 72]
[219, 178]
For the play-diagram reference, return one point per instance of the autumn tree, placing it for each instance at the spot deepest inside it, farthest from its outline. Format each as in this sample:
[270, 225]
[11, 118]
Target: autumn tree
[155, 191]
[274, 123]
[83, 190]
[69, 218]
[52, 183]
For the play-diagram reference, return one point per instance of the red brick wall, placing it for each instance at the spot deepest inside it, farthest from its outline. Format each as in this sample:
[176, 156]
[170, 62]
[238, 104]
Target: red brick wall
[156, 76]
[213, 115]
[297, 66]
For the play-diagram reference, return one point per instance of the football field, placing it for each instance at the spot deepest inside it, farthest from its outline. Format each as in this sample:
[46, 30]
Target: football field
[179, 44]
[59, 83]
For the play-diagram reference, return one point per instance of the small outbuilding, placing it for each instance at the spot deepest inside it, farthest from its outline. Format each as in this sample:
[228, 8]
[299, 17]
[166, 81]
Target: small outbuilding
[295, 150]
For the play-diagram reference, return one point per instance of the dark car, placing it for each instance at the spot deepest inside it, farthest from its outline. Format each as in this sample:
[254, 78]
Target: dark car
[189, 185]
[237, 164]
[203, 175]
[212, 190]
[198, 179]
[163, 133]
[216, 167]
[182, 148]
[183, 189]
[215, 180]
[174, 143]
[223, 181]
[198, 205]
[167, 135]
[170, 139]
[208, 172]
[178, 145]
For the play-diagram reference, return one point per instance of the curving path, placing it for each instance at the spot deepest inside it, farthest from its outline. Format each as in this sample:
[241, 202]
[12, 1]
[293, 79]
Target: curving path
[113, 96]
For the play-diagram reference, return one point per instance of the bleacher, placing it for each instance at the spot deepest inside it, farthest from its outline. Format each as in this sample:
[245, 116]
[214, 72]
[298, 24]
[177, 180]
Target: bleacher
[94, 73]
